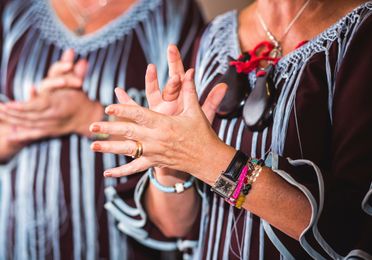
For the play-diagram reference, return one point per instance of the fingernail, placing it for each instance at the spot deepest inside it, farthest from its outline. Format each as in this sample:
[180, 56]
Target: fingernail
[96, 147]
[95, 128]
[110, 110]
[107, 174]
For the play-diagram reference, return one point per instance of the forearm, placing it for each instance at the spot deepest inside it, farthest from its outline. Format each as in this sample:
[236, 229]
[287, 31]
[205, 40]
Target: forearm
[282, 205]
[173, 213]
[272, 199]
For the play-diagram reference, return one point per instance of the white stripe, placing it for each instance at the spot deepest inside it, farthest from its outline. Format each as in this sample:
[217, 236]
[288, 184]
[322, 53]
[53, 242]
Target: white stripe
[220, 218]
[211, 226]
[262, 242]
[75, 195]
[226, 248]
[247, 235]
[40, 201]
[88, 194]
[5, 200]
[53, 198]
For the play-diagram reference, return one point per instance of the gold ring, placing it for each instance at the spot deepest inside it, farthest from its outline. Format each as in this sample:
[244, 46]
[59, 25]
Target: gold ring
[139, 151]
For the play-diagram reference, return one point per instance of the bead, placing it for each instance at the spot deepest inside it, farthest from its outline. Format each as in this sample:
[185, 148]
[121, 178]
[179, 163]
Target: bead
[179, 187]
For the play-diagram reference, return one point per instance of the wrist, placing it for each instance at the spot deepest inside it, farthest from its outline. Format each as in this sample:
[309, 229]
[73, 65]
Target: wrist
[170, 177]
[215, 163]
[171, 187]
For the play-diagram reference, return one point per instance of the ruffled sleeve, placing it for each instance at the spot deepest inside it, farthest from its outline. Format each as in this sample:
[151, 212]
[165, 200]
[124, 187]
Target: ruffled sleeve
[125, 203]
[339, 188]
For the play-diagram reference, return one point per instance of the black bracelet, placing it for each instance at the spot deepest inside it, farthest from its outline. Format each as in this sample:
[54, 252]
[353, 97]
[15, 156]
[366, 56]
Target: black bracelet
[235, 167]
[227, 181]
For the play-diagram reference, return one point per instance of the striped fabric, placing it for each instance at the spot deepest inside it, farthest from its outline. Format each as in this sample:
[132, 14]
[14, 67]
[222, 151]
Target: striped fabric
[52, 192]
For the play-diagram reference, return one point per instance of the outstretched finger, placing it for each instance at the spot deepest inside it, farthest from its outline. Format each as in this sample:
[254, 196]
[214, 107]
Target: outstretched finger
[26, 136]
[139, 165]
[123, 97]
[24, 118]
[190, 97]
[175, 62]
[135, 113]
[213, 100]
[153, 94]
[59, 68]
[125, 147]
[127, 130]
[81, 68]
[34, 105]
[68, 55]
[65, 81]
[172, 90]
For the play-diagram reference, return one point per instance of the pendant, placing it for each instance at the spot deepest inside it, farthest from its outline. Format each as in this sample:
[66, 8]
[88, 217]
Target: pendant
[276, 52]
[80, 31]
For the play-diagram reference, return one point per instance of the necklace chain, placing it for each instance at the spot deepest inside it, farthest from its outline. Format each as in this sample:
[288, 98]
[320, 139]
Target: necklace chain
[277, 52]
[82, 15]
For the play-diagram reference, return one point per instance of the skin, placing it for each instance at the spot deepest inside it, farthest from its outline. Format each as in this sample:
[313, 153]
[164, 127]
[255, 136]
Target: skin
[98, 19]
[55, 109]
[173, 140]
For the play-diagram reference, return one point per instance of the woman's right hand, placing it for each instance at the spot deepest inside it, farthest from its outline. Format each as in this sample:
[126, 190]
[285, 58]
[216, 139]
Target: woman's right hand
[169, 101]
[65, 73]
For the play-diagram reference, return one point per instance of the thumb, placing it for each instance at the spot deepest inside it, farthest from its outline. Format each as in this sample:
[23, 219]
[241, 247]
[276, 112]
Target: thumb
[190, 97]
[33, 92]
[123, 97]
[213, 100]
[68, 55]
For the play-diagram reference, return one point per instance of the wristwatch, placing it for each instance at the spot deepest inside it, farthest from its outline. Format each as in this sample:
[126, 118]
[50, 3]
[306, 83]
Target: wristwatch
[227, 181]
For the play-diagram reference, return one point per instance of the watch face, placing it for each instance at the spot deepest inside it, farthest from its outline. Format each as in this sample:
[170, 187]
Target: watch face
[224, 187]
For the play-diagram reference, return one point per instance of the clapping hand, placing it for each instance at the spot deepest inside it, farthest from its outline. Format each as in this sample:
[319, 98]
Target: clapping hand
[169, 132]
[59, 107]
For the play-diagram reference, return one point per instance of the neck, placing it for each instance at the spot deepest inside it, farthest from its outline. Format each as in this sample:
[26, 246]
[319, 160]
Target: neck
[88, 3]
[279, 13]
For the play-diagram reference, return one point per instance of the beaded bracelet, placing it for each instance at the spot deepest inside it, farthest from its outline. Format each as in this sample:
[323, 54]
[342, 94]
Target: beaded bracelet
[234, 190]
[251, 177]
[177, 188]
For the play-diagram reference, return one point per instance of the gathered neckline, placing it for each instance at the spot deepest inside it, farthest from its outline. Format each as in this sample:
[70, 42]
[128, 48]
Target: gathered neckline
[53, 30]
[329, 33]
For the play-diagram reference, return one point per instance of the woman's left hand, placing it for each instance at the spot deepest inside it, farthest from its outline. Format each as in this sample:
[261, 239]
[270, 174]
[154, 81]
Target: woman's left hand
[52, 114]
[184, 142]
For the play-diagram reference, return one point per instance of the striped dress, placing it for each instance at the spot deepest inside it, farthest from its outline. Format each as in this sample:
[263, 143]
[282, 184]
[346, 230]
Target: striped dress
[52, 193]
[320, 142]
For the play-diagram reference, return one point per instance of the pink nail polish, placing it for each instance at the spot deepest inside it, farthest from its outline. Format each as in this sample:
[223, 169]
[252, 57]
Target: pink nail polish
[95, 128]
[96, 147]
